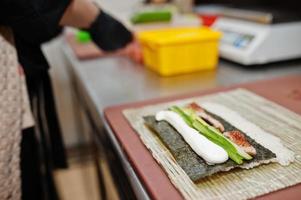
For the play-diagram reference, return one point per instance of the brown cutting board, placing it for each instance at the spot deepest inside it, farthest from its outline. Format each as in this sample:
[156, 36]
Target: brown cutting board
[285, 91]
[83, 50]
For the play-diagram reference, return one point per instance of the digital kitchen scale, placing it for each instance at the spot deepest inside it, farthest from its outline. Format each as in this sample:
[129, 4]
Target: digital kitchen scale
[251, 43]
[252, 37]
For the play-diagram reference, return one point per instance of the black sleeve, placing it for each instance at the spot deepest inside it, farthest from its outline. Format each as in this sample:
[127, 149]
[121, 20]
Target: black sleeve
[34, 21]
[108, 33]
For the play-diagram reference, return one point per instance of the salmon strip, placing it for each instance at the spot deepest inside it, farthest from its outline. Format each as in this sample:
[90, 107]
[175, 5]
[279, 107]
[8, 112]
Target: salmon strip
[240, 140]
[205, 116]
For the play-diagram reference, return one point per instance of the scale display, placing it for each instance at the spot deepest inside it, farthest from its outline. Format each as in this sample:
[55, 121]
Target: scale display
[236, 39]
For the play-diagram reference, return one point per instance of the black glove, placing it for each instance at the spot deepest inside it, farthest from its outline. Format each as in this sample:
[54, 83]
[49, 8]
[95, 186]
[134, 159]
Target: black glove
[108, 33]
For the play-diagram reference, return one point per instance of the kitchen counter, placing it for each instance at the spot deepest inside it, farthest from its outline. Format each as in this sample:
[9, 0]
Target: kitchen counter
[110, 81]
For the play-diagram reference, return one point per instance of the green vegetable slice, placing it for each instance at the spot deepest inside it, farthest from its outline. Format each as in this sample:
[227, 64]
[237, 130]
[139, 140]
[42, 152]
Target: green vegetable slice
[186, 117]
[214, 135]
[151, 16]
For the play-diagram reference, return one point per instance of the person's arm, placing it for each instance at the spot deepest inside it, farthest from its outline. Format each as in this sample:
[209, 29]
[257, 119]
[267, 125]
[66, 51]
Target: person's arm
[80, 14]
[108, 33]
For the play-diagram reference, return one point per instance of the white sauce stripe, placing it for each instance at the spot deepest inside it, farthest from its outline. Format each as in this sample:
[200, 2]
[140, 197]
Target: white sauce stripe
[210, 152]
[269, 141]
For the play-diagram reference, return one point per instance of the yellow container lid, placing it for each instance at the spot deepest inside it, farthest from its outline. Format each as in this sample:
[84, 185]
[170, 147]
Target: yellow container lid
[172, 36]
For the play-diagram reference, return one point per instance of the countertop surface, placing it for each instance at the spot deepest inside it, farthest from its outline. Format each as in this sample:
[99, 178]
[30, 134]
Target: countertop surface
[116, 80]
[105, 82]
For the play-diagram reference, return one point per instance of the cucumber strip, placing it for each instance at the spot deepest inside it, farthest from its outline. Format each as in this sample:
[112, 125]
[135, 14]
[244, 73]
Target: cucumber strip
[186, 117]
[190, 117]
[151, 16]
[240, 151]
[193, 115]
[230, 149]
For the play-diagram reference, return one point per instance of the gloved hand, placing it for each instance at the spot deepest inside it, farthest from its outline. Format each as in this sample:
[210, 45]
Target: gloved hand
[132, 51]
[108, 33]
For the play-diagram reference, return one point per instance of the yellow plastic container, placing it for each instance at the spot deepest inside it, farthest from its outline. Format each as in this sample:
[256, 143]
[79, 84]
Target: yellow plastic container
[180, 50]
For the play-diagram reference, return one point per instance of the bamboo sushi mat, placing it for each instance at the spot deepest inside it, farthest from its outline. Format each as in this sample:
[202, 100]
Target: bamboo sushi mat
[238, 183]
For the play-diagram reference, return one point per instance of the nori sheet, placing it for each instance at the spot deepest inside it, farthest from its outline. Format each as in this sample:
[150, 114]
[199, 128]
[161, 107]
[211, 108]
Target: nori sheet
[194, 166]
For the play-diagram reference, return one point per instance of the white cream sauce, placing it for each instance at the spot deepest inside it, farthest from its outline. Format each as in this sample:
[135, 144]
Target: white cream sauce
[210, 152]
